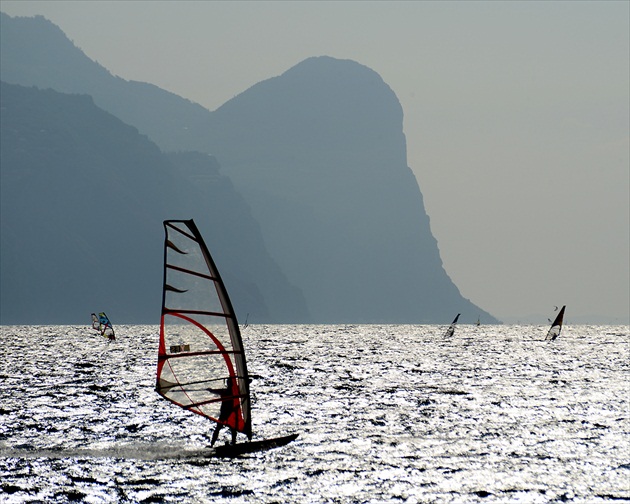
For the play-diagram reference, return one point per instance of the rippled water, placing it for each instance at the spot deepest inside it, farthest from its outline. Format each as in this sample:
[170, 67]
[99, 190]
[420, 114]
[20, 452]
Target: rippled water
[385, 414]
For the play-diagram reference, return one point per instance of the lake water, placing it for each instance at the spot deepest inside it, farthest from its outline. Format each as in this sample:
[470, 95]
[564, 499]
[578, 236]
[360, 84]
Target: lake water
[390, 413]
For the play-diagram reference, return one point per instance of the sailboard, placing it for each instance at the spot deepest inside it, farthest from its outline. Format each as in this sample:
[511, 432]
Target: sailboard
[556, 326]
[451, 329]
[238, 449]
[102, 324]
[201, 360]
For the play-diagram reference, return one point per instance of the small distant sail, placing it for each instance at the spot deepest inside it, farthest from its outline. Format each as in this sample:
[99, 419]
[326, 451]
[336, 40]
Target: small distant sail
[478, 322]
[556, 326]
[451, 328]
[102, 324]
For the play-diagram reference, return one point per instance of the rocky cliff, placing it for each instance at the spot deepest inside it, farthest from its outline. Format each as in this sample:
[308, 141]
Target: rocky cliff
[320, 155]
[82, 199]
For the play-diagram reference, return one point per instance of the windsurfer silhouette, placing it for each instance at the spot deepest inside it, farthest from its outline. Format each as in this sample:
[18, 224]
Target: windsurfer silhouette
[227, 408]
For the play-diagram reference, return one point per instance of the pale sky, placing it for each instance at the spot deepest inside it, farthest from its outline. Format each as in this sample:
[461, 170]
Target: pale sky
[517, 118]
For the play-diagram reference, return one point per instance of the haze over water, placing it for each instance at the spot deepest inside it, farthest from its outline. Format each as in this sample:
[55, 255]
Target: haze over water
[385, 414]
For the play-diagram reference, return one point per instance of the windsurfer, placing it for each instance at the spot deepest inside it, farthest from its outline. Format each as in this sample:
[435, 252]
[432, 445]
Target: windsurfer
[227, 408]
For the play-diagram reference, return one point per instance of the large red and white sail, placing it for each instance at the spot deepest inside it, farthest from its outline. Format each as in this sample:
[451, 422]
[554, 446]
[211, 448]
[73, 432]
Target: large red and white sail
[200, 351]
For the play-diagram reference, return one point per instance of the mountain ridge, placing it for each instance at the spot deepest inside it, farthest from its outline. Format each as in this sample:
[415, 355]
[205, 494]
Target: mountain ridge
[319, 155]
[83, 197]
[330, 185]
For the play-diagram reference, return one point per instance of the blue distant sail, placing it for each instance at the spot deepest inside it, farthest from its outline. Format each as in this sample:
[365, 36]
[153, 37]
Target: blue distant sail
[102, 324]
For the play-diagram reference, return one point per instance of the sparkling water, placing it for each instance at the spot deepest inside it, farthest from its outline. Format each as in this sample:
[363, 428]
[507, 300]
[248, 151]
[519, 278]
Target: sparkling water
[385, 413]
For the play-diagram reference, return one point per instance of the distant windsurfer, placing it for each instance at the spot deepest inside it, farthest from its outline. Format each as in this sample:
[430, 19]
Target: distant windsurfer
[227, 408]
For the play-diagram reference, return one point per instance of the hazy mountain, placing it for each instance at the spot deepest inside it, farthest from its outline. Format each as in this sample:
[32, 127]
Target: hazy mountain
[318, 153]
[35, 52]
[83, 196]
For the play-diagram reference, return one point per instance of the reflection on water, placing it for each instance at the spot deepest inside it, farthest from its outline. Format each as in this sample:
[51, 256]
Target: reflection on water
[385, 414]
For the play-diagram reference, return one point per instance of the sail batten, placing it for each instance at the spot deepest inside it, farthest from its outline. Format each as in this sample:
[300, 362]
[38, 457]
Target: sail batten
[190, 272]
[174, 311]
[205, 368]
[203, 403]
[169, 224]
[194, 354]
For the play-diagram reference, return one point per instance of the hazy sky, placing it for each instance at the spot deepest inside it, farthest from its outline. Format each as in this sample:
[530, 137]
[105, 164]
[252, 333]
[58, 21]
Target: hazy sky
[516, 116]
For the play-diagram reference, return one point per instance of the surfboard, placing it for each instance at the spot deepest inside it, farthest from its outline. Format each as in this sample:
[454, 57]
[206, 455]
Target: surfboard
[237, 449]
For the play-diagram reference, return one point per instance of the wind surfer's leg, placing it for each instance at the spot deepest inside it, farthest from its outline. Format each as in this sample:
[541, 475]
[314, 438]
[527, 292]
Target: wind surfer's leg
[215, 434]
[233, 436]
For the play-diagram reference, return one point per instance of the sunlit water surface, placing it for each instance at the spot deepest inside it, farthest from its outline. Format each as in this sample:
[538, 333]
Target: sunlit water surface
[388, 413]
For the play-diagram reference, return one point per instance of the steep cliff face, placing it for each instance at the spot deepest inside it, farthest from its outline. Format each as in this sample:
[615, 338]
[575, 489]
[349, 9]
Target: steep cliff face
[319, 152]
[83, 197]
[319, 155]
